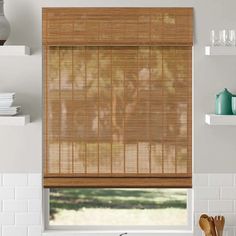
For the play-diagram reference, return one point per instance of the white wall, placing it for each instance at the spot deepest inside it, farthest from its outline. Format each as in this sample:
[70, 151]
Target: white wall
[21, 146]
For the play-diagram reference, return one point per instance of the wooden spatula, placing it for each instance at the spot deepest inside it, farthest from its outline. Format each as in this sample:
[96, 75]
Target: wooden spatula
[219, 224]
[205, 225]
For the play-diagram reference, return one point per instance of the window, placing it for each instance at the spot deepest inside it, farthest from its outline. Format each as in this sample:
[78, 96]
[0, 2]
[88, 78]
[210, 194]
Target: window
[146, 207]
[117, 109]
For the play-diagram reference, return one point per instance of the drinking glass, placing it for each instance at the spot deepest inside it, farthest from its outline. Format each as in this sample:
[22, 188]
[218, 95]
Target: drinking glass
[222, 37]
[214, 37]
[232, 38]
[227, 37]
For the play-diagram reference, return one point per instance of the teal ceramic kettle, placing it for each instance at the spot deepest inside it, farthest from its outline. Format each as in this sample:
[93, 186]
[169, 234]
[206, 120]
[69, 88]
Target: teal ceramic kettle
[223, 103]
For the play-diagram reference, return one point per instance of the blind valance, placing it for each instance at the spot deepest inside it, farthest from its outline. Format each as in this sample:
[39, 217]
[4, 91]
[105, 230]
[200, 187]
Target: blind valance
[117, 26]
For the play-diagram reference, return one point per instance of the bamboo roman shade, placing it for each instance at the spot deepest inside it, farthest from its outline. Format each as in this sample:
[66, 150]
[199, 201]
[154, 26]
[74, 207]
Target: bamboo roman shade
[117, 108]
[117, 26]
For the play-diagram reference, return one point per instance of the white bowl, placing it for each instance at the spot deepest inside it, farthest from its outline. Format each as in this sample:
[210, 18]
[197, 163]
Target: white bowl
[5, 103]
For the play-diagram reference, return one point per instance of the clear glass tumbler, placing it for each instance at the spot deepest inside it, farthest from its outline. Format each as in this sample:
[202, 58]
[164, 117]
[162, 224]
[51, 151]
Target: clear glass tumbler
[222, 37]
[232, 38]
[214, 38]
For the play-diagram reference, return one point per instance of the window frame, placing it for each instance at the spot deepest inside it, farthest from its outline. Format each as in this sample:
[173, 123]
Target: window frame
[90, 229]
[49, 230]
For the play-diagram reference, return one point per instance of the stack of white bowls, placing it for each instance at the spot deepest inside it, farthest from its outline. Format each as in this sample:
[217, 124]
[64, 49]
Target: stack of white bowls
[6, 108]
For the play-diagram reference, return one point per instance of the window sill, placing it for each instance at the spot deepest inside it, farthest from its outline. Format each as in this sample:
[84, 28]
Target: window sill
[115, 233]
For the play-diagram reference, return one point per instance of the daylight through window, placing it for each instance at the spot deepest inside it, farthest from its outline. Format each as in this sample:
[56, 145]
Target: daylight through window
[108, 206]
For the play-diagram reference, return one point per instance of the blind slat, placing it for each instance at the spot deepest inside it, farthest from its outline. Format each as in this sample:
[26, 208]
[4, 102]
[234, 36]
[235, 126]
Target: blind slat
[97, 182]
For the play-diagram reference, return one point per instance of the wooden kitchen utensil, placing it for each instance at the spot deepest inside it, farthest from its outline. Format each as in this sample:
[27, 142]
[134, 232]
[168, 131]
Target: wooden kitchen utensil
[205, 225]
[212, 225]
[219, 224]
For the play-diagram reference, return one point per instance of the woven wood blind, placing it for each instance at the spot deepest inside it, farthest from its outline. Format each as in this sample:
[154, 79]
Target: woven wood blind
[117, 116]
[117, 26]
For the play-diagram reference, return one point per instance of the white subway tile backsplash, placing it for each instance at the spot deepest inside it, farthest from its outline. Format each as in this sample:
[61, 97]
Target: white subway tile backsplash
[34, 231]
[215, 194]
[28, 193]
[13, 180]
[14, 231]
[20, 204]
[27, 219]
[198, 231]
[200, 180]
[207, 193]
[15, 205]
[35, 180]
[34, 205]
[229, 231]
[230, 219]
[221, 180]
[201, 205]
[6, 193]
[228, 193]
[221, 206]
[7, 219]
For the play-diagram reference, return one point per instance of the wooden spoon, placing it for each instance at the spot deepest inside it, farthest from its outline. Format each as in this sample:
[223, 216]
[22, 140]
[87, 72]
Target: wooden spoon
[219, 224]
[212, 225]
[204, 216]
[205, 225]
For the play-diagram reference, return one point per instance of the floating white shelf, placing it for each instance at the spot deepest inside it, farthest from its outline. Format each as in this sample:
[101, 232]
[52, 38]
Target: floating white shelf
[212, 119]
[14, 50]
[220, 51]
[19, 120]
